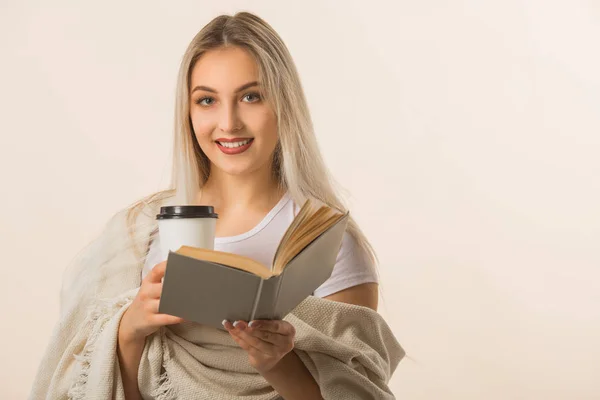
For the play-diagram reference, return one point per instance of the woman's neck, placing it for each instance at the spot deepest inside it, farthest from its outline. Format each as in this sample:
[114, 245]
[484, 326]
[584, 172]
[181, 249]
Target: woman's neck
[259, 190]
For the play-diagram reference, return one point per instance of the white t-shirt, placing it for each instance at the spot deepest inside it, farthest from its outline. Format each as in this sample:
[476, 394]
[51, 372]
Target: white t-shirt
[352, 266]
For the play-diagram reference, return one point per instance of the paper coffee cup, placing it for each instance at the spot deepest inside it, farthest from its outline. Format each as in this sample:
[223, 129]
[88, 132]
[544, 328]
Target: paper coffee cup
[186, 226]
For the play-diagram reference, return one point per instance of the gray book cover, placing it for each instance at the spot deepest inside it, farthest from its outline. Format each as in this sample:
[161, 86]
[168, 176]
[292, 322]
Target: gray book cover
[208, 293]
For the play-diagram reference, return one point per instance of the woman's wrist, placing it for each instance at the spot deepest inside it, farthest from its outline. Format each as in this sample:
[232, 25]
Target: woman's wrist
[129, 339]
[129, 352]
[127, 336]
[290, 378]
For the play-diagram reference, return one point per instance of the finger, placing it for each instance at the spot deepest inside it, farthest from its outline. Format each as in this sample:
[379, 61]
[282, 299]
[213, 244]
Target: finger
[227, 325]
[154, 290]
[152, 306]
[270, 337]
[276, 326]
[260, 345]
[240, 342]
[251, 350]
[157, 272]
[234, 334]
[250, 337]
[166, 319]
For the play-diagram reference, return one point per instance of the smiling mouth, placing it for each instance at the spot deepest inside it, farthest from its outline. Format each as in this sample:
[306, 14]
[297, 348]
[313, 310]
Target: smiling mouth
[236, 144]
[233, 147]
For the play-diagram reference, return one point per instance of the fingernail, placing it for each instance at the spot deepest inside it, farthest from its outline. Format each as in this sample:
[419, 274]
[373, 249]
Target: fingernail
[224, 322]
[253, 324]
[240, 325]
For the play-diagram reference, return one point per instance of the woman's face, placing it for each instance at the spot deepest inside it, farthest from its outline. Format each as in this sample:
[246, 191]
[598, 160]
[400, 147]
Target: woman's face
[234, 126]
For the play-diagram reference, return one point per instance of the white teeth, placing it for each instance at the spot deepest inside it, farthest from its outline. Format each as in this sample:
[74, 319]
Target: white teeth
[233, 145]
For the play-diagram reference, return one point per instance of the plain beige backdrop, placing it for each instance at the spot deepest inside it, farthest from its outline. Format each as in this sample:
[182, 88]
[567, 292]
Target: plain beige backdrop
[466, 133]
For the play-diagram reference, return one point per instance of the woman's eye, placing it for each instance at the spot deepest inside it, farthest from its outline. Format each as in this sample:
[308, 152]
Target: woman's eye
[255, 95]
[208, 101]
[201, 99]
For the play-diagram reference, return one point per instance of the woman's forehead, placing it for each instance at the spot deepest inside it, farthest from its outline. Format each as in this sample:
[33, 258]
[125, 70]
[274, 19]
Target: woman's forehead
[225, 70]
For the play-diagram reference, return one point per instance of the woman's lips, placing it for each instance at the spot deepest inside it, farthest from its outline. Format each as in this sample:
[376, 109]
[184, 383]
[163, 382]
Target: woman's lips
[236, 146]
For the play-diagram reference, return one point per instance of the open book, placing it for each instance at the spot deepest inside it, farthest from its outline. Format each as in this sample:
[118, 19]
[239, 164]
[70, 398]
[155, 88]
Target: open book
[208, 286]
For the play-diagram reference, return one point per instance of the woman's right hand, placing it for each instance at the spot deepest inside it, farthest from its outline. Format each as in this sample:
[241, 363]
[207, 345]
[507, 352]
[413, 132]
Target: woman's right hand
[142, 318]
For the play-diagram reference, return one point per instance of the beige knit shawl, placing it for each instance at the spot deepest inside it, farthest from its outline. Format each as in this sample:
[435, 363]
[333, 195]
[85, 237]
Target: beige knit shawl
[350, 350]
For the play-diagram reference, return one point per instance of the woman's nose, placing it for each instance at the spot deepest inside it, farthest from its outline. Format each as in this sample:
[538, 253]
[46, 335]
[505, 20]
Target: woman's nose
[230, 121]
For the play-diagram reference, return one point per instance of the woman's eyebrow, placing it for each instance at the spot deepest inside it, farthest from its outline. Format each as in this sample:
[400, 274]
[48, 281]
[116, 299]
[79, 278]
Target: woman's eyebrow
[206, 88]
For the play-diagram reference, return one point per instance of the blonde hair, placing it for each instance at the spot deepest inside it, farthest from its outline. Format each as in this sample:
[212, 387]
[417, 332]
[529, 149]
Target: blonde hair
[297, 164]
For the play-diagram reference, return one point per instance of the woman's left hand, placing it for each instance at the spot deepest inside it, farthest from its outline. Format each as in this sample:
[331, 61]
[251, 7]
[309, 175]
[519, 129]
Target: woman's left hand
[266, 342]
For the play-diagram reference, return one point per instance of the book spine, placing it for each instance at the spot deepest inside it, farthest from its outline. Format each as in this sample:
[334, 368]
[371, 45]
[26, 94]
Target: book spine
[256, 299]
[276, 297]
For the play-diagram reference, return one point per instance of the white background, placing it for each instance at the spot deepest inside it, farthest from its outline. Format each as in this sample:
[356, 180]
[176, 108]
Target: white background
[466, 133]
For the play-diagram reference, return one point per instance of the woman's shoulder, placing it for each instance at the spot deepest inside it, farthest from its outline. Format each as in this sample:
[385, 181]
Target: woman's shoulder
[138, 219]
[144, 210]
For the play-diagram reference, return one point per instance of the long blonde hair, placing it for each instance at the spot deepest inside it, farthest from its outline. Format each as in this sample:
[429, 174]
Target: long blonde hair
[297, 164]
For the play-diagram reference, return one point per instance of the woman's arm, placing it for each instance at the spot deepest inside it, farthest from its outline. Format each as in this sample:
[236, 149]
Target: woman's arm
[130, 351]
[140, 320]
[270, 347]
[270, 350]
[292, 380]
[365, 295]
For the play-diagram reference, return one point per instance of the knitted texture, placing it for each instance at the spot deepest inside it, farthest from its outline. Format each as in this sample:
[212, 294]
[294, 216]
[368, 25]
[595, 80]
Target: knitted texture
[349, 350]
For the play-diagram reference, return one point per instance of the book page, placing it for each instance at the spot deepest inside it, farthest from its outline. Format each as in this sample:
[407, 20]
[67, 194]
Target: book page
[304, 234]
[306, 210]
[229, 259]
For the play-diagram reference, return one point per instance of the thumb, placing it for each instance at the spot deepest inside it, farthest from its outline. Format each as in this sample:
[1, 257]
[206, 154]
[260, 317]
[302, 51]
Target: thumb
[158, 272]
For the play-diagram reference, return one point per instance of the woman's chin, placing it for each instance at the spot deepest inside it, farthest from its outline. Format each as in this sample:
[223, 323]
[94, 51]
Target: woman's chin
[235, 169]
[240, 165]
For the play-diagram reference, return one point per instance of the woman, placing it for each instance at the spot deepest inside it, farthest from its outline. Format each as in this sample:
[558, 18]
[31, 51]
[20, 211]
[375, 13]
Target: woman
[243, 143]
